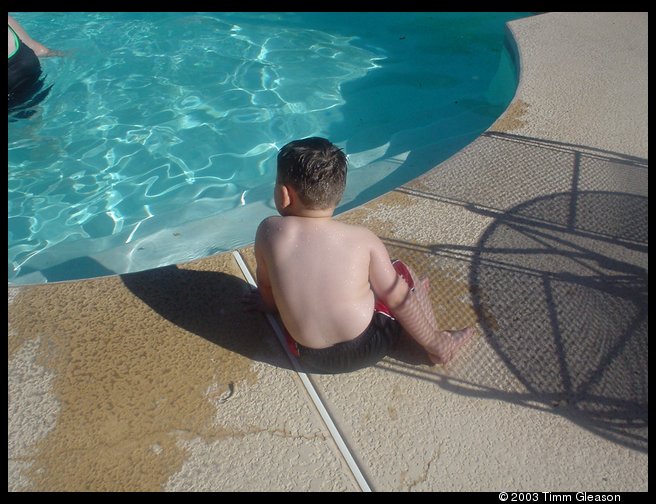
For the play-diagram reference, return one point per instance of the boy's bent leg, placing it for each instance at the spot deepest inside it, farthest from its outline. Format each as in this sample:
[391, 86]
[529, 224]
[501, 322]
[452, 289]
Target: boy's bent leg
[449, 343]
[404, 271]
[446, 343]
[421, 288]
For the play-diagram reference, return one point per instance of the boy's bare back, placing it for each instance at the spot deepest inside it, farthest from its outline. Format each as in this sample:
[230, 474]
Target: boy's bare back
[324, 277]
[318, 270]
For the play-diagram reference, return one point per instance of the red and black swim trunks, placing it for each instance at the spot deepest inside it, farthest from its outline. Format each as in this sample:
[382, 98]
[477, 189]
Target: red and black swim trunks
[374, 343]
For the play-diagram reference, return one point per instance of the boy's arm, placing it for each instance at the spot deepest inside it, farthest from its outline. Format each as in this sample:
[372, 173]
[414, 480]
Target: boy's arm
[392, 290]
[261, 271]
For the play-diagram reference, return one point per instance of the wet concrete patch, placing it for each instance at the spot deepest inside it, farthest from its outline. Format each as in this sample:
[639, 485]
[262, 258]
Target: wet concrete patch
[158, 381]
[127, 382]
[514, 117]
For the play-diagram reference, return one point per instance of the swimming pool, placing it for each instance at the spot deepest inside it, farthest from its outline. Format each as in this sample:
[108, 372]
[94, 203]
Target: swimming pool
[158, 140]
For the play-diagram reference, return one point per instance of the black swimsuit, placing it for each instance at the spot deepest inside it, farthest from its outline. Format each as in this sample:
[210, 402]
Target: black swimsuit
[24, 72]
[375, 342]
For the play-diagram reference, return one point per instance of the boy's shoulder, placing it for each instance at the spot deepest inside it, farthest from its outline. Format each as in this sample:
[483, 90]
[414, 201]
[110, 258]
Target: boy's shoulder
[277, 223]
[272, 219]
[357, 228]
[355, 234]
[268, 225]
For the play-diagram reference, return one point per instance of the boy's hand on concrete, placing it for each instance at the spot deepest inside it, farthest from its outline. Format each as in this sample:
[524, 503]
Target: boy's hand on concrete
[253, 301]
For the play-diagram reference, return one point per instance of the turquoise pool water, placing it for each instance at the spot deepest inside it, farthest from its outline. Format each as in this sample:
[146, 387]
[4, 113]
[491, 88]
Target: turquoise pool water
[157, 142]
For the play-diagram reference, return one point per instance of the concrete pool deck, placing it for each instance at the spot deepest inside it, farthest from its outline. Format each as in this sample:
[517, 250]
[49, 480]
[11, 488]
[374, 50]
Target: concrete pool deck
[536, 232]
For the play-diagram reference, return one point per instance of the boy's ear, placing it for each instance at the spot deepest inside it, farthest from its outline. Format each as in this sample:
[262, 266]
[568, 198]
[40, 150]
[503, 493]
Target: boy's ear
[287, 195]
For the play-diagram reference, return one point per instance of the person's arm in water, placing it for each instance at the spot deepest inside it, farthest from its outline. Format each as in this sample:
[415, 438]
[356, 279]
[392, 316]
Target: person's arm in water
[38, 48]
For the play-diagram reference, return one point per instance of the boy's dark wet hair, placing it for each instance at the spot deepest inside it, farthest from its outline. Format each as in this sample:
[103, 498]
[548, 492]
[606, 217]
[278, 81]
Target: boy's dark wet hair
[316, 169]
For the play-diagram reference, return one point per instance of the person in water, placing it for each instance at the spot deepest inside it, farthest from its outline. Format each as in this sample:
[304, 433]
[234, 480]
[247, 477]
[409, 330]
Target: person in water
[341, 299]
[25, 85]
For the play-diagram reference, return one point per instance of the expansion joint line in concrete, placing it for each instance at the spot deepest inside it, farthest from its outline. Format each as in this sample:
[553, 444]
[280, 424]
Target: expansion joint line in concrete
[312, 392]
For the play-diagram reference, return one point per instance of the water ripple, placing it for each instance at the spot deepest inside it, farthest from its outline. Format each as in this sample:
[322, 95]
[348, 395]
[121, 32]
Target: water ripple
[162, 119]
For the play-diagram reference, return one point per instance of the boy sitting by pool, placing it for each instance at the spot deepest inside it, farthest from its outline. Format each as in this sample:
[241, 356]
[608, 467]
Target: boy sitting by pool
[340, 298]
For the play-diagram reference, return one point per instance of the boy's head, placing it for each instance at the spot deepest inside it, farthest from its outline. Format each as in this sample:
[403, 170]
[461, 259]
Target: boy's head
[315, 169]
